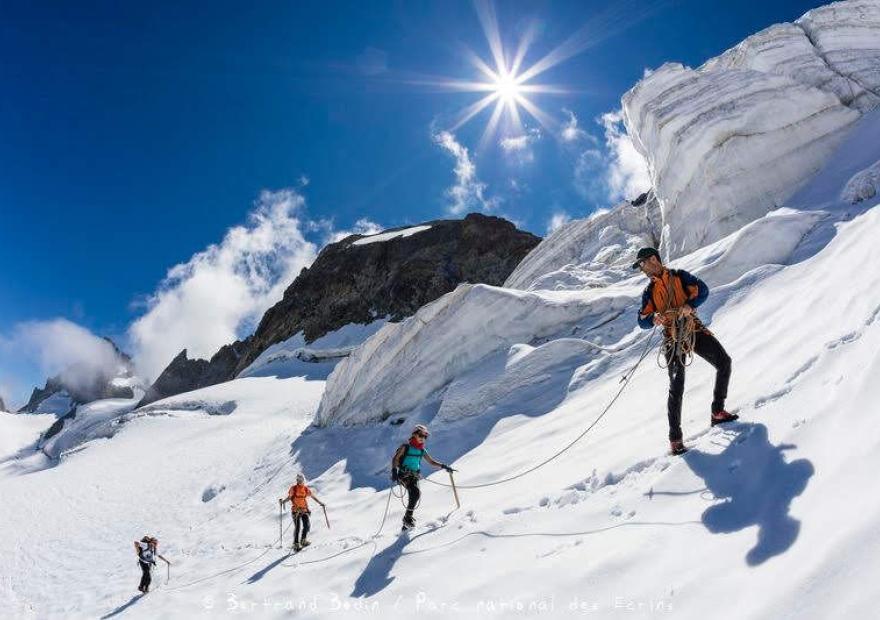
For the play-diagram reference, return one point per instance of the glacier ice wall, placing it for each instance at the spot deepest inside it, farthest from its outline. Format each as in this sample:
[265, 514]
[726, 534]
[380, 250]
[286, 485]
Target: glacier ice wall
[592, 252]
[735, 138]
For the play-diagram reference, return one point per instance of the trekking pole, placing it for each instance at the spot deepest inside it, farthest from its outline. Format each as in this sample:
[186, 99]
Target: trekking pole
[454, 490]
[280, 524]
[324, 508]
[168, 568]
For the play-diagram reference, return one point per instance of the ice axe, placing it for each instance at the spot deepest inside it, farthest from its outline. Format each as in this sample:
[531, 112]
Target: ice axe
[168, 567]
[454, 490]
[324, 508]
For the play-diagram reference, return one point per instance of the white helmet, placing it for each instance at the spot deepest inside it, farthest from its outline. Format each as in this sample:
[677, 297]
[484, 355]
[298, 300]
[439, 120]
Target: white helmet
[300, 479]
[420, 429]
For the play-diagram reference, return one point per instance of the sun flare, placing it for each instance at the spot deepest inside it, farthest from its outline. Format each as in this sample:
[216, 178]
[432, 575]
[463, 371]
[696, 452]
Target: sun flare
[507, 88]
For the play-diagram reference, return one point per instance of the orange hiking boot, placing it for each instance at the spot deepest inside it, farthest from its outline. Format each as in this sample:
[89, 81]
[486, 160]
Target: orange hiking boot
[720, 417]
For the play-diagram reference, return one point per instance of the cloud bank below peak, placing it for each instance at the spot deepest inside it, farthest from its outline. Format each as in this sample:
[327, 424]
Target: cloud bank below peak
[221, 292]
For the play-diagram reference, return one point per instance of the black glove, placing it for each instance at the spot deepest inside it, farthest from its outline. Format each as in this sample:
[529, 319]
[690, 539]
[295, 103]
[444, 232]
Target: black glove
[447, 467]
[394, 474]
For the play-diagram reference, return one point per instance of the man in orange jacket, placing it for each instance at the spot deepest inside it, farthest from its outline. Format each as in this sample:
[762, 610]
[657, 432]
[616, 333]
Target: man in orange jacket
[299, 510]
[674, 293]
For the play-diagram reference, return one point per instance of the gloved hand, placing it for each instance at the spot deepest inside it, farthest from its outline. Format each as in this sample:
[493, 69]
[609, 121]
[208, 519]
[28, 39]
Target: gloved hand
[394, 474]
[447, 467]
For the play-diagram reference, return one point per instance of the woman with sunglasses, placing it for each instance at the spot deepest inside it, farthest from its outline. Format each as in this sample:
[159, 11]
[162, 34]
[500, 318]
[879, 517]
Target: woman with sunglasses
[406, 469]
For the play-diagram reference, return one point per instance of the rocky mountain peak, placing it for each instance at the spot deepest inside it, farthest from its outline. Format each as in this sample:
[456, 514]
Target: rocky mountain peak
[362, 278]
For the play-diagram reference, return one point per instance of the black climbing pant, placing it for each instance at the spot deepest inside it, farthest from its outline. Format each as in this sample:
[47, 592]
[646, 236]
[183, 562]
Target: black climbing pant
[707, 347]
[145, 576]
[300, 523]
[410, 481]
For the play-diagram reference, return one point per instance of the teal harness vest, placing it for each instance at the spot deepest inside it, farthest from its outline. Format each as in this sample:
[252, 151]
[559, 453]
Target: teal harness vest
[412, 458]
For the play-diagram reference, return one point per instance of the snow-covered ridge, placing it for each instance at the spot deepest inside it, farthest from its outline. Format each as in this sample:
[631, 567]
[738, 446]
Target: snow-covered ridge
[737, 137]
[387, 236]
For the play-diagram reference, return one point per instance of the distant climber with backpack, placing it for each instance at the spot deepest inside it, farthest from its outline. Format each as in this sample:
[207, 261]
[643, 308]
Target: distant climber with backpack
[406, 469]
[299, 511]
[147, 552]
[669, 302]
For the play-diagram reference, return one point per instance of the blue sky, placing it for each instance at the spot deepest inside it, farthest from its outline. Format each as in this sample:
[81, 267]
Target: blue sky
[135, 135]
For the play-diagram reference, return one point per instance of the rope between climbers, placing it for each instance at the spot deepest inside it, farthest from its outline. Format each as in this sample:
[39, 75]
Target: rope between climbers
[625, 382]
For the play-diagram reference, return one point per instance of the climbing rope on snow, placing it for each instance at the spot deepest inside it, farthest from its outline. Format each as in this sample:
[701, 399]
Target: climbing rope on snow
[624, 382]
[227, 571]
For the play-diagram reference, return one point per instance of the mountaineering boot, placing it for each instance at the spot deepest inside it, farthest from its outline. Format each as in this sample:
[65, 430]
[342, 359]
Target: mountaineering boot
[720, 417]
[296, 547]
[304, 543]
[408, 521]
[676, 447]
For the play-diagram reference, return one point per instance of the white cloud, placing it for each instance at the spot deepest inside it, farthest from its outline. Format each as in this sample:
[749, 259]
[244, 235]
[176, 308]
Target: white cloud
[520, 147]
[570, 130]
[63, 348]
[627, 174]
[363, 226]
[560, 218]
[468, 193]
[515, 143]
[220, 293]
[590, 175]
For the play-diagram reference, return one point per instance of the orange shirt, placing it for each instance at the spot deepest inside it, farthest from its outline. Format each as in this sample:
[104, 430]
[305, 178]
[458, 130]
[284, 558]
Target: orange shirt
[298, 494]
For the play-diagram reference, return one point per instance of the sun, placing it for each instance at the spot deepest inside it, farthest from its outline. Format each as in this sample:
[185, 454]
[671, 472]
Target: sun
[507, 88]
[504, 83]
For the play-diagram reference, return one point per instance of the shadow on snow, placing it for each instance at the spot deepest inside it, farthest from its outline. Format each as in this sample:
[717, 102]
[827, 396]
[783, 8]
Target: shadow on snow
[756, 486]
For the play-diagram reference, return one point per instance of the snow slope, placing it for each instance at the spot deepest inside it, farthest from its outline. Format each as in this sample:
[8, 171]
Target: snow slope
[772, 517]
[612, 527]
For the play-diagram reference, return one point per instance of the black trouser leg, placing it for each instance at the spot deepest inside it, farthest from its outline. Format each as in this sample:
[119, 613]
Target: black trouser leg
[413, 493]
[306, 525]
[296, 524]
[145, 576]
[676, 390]
[708, 347]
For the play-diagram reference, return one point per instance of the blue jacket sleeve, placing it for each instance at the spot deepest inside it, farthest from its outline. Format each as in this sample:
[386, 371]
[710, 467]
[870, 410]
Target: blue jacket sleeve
[687, 280]
[648, 321]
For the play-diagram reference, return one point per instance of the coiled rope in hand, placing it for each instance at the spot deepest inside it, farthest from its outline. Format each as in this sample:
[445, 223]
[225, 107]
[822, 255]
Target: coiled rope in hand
[680, 338]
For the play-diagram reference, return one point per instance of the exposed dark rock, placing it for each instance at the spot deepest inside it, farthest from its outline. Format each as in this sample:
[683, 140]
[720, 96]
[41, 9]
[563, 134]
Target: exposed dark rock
[351, 283]
[57, 425]
[358, 283]
[184, 374]
[2, 404]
